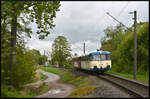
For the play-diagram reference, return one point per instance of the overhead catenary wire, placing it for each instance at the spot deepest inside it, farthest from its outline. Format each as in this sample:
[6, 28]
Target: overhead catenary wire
[118, 21]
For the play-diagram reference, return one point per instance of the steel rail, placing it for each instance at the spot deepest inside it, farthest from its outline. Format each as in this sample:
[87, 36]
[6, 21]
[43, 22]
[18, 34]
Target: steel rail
[138, 89]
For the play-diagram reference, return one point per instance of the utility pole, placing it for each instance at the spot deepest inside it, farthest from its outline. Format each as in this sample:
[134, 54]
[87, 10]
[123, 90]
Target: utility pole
[135, 40]
[135, 44]
[84, 48]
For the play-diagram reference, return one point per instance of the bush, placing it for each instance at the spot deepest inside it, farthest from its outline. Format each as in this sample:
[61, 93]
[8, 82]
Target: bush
[24, 71]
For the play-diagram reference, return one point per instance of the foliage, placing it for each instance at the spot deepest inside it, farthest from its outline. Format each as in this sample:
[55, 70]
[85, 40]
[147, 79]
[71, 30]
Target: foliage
[61, 52]
[24, 71]
[122, 49]
[42, 59]
[42, 76]
[8, 92]
[27, 92]
[42, 13]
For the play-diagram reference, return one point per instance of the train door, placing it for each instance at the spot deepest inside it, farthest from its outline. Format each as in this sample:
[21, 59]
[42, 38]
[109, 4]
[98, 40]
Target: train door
[79, 64]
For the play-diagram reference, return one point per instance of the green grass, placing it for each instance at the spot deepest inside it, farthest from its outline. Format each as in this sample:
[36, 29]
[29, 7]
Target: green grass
[76, 80]
[8, 92]
[66, 76]
[141, 78]
[44, 89]
[27, 92]
[106, 86]
[42, 76]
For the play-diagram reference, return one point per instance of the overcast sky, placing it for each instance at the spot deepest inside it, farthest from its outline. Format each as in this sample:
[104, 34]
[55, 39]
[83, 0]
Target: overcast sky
[85, 22]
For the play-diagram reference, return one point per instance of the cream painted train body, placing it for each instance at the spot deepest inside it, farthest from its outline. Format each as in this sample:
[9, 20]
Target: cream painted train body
[98, 61]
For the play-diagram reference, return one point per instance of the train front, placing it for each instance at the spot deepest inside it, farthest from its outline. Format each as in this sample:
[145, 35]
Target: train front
[101, 61]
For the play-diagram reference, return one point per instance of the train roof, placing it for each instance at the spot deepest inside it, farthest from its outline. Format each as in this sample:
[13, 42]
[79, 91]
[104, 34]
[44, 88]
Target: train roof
[99, 52]
[94, 53]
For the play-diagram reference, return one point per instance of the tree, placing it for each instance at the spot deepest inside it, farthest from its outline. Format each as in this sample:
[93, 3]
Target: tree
[60, 51]
[18, 16]
[15, 20]
[112, 38]
[122, 48]
[42, 59]
[75, 54]
[36, 54]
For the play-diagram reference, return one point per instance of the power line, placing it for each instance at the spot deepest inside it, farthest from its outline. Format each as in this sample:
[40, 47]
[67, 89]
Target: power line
[118, 21]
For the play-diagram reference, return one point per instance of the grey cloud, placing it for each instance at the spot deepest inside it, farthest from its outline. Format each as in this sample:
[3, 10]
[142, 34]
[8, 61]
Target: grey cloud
[86, 21]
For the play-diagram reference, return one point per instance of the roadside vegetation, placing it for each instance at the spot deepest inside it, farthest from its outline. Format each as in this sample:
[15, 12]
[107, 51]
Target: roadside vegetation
[42, 76]
[83, 84]
[27, 91]
[119, 42]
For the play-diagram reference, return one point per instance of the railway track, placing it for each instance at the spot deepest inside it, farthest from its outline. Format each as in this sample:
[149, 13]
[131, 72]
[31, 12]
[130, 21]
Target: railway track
[134, 88]
[137, 89]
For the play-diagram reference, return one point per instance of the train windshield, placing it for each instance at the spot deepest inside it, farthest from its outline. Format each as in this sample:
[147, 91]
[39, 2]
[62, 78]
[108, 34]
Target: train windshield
[96, 57]
[108, 57]
[105, 57]
[100, 57]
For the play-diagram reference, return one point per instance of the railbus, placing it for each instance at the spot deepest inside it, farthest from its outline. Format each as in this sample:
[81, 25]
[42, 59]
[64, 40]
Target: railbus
[96, 61]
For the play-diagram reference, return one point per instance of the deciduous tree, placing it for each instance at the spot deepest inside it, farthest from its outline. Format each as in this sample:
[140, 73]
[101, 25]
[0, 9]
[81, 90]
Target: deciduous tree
[60, 51]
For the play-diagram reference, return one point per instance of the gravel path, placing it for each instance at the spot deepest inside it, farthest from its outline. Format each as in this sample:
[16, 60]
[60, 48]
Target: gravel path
[58, 89]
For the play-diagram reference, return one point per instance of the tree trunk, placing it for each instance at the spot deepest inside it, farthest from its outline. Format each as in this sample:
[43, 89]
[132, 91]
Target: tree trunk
[13, 42]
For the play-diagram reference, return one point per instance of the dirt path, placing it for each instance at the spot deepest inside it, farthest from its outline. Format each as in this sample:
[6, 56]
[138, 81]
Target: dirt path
[58, 89]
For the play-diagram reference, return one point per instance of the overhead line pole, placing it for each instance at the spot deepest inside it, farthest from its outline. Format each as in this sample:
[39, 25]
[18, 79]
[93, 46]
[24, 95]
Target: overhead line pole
[84, 48]
[135, 44]
[135, 40]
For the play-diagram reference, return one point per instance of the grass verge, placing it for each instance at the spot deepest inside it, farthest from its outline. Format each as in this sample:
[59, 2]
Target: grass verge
[141, 78]
[42, 76]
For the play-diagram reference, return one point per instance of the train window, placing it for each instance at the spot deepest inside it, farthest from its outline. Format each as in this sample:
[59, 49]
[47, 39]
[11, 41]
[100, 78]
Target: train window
[103, 57]
[96, 57]
[90, 58]
[108, 57]
[83, 58]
